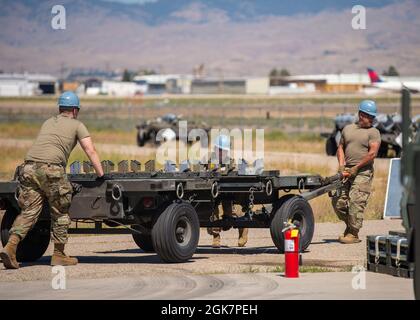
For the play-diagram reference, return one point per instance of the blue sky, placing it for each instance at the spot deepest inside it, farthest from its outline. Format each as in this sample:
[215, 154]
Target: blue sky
[375, 3]
[253, 7]
[131, 1]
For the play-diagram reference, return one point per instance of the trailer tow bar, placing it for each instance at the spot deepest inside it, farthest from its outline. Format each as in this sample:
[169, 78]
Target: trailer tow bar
[329, 184]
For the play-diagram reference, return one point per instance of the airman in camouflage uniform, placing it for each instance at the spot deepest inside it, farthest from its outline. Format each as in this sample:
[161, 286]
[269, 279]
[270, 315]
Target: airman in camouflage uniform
[356, 152]
[39, 180]
[228, 210]
[219, 158]
[43, 178]
[350, 201]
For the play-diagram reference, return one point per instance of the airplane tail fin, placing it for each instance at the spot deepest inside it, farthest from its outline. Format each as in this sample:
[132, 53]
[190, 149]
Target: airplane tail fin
[374, 78]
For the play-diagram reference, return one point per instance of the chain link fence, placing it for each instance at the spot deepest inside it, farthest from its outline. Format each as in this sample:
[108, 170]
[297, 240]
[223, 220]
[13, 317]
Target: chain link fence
[303, 118]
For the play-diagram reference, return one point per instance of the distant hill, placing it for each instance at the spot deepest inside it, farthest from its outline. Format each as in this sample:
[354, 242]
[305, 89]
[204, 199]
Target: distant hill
[230, 37]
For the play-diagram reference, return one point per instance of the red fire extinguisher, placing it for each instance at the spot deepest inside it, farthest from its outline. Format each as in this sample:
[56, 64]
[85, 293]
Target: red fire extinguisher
[291, 251]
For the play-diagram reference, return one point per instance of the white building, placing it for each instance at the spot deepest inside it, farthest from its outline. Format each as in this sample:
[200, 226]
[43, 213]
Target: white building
[121, 89]
[165, 83]
[292, 88]
[257, 85]
[237, 85]
[24, 85]
[327, 83]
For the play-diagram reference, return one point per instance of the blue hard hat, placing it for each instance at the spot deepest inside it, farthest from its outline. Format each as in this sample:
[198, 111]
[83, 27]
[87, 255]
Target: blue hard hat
[69, 99]
[368, 107]
[223, 142]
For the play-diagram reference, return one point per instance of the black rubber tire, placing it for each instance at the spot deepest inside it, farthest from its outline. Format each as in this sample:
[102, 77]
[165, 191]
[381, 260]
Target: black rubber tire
[416, 275]
[144, 241]
[35, 243]
[383, 150]
[141, 138]
[331, 147]
[170, 246]
[152, 138]
[279, 203]
[397, 151]
[416, 282]
[295, 208]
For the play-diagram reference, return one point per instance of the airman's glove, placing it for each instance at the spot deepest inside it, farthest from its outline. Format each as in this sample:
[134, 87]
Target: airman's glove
[76, 187]
[353, 171]
[102, 178]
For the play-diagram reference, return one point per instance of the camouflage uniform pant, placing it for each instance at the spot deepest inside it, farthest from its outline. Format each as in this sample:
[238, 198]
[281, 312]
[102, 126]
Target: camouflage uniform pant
[227, 210]
[40, 182]
[351, 200]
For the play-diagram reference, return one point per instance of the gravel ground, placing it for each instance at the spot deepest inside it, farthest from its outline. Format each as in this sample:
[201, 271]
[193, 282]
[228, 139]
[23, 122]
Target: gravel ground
[118, 255]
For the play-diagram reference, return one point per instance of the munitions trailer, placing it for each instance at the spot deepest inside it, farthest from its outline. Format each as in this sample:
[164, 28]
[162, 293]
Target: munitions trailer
[164, 209]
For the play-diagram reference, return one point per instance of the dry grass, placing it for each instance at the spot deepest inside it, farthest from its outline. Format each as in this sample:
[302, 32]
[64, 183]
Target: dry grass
[79, 155]
[28, 130]
[11, 157]
[49, 101]
[275, 140]
[304, 112]
[18, 130]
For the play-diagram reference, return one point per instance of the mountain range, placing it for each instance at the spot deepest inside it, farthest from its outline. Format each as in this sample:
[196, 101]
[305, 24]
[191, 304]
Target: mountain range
[230, 37]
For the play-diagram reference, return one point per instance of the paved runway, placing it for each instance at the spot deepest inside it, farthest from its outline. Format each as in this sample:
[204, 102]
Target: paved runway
[327, 285]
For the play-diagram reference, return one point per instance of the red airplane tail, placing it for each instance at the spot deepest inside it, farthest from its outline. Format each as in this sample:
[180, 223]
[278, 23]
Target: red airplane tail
[374, 78]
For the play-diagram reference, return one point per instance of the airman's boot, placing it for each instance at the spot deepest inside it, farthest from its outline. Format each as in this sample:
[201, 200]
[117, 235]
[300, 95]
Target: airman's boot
[351, 237]
[346, 232]
[243, 237]
[216, 240]
[8, 255]
[59, 258]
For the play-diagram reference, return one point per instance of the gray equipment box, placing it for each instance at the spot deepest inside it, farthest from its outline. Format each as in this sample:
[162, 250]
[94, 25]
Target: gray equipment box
[388, 254]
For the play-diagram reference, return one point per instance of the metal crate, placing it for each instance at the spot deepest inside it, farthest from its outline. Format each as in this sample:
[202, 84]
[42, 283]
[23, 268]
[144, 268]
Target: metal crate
[376, 249]
[388, 254]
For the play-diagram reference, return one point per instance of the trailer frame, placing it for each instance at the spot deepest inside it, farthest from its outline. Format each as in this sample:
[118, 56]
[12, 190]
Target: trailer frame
[136, 202]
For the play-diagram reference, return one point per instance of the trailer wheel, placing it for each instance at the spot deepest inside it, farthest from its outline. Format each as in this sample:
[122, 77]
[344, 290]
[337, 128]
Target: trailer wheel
[144, 241]
[141, 137]
[295, 209]
[416, 275]
[36, 241]
[331, 147]
[416, 284]
[383, 150]
[176, 233]
[152, 137]
[397, 150]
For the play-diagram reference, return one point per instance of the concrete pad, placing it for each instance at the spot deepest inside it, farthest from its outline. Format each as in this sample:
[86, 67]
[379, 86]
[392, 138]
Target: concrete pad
[113, 256]
[254, 286]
